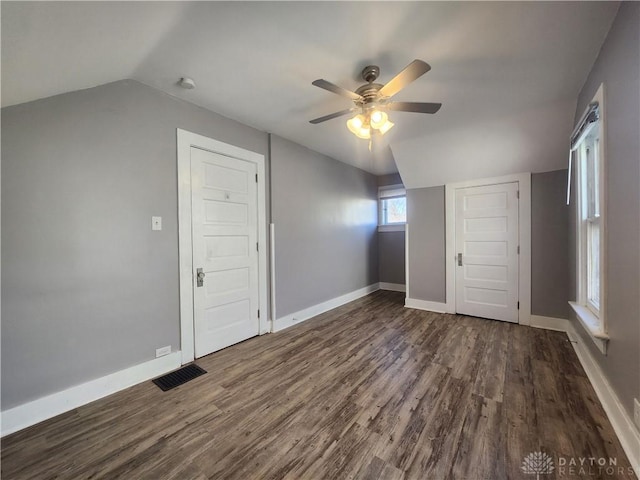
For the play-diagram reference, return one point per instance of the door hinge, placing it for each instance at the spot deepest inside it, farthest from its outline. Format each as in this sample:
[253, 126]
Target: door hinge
[518, 249]
[517, 193]
[256, 178]
[258, 313]
[257, 247]
[518, 305]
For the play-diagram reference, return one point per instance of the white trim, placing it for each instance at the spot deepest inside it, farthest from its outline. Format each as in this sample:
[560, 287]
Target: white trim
[595, 325]
[449, 247]
[550, 323]
[406, 258]
[622, 423]
[272, 257]
[425, 305]
[394, 287]
[591, 325]
[186, 140]
[36, 411]
[398, 227]
[310, 312]
[524, 231]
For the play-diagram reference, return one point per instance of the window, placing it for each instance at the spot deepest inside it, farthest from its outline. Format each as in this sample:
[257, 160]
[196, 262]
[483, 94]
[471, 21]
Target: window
[591, 218]
[587, 145]
[392, 208]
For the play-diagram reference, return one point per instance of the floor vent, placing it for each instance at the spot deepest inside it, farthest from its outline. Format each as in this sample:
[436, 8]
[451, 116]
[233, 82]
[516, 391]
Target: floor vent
[177, 378]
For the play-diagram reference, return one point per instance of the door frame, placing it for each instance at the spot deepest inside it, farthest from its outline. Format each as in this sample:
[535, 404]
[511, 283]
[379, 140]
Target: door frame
[186, 140]
[524, 236]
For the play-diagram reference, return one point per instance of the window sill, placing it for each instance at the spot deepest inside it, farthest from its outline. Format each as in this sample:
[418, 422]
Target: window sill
[391, 228]
[592, 325]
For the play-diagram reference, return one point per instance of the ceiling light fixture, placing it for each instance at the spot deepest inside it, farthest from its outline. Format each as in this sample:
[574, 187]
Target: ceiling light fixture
[363, 123]
[360, 126]
[372, 101]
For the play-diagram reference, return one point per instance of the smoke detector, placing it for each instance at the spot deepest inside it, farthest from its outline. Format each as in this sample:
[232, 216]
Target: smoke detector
[187, 83]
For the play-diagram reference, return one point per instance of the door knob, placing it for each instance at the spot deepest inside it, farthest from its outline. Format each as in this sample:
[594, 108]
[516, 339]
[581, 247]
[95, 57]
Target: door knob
[199, 277]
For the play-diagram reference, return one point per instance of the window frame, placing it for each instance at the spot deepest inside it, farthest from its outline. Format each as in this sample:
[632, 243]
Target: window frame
[389, 192]
[591, 211]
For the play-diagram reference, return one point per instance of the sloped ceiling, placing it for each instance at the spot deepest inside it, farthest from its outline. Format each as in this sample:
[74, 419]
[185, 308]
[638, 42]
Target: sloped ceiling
[508, 73]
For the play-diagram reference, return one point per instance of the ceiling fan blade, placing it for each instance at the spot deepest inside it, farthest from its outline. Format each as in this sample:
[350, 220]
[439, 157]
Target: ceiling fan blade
[332, 87]
[417, 107]
[332, 115]
[414, 70]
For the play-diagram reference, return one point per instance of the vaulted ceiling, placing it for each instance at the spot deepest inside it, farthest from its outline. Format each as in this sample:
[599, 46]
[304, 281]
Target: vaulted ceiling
[508, 73]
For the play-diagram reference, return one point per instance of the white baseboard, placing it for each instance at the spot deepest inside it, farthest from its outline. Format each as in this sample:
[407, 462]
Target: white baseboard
[426, 305]
[307, 313]
[394, 287]
[36, 411]
[622, 423]
[550, 323]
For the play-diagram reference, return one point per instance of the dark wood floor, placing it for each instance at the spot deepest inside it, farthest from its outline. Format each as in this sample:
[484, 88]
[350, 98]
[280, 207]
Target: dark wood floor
[370, 390]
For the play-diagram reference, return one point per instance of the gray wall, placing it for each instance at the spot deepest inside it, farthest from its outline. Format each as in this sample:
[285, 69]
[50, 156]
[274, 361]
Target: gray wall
[87, 287]
[618, 66]
[549, 277]
[549, 244]
[325, 215]
[391, 245]
[390, 179]
[425, 216]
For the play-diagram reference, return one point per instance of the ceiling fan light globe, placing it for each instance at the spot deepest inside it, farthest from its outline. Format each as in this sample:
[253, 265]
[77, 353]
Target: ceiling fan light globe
[358, 126]
[378, 119]
[386, 127]
[354, 124]
[363, 133]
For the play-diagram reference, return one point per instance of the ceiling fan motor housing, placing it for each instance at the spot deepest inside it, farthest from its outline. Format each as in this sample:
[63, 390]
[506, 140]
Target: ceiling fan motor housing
[370, 73]
[369, 92]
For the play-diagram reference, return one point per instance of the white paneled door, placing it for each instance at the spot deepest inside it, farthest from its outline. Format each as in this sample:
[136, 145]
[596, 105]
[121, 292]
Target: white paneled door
[487, 251]
[225, 256]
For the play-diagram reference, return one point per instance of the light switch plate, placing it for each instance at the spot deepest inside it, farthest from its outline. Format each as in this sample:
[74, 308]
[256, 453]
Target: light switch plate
[156, 223]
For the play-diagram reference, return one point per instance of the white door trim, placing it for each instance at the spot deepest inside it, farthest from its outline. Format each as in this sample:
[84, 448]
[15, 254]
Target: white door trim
[186, 140]
[524, 233]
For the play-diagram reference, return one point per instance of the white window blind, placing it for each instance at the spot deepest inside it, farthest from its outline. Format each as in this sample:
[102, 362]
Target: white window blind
[583, 128]
[391, 192]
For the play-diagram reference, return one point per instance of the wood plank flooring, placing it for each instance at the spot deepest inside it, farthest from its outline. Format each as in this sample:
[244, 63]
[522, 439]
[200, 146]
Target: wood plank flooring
[370, 390]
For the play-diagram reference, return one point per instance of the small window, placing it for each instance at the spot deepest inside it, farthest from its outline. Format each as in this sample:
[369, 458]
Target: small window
[587, 145]
[392, 207]
[589, 188]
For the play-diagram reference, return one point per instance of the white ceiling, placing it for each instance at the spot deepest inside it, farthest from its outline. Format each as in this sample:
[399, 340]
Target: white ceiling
[508, 73]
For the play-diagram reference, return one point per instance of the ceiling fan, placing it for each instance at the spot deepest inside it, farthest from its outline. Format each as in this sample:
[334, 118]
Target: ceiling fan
[372, 100]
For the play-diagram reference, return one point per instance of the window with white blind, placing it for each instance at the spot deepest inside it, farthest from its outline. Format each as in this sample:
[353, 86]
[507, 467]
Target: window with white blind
[588, 155]
[392, 208]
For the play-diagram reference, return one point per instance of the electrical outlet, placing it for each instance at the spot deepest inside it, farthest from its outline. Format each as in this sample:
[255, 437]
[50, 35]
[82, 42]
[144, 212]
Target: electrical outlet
[161, 352]
[636, 412]
[156, 223]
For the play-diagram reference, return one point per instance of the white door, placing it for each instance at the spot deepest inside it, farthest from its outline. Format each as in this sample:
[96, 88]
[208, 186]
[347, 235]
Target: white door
[487, 251]
[225, 240]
